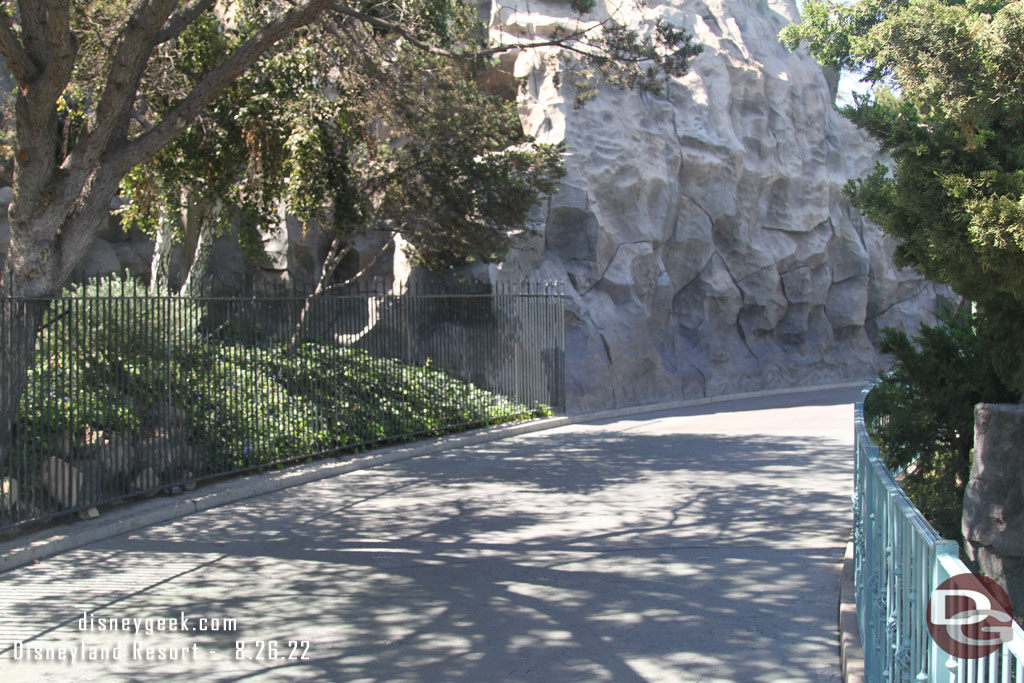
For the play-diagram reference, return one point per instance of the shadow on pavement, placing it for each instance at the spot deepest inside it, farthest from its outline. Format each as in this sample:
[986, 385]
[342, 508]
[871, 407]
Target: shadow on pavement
[580, 554]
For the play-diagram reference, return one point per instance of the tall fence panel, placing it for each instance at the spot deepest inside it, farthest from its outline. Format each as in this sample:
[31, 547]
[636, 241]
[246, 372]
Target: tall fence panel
[899, 559]
[132, 393]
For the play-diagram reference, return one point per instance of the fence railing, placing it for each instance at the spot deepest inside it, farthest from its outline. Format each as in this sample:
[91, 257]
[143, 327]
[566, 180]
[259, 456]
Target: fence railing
[899, 560]
[133, 393]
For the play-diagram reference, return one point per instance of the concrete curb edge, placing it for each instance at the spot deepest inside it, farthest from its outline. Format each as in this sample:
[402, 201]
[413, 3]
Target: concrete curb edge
[851, 654]
[49, 542]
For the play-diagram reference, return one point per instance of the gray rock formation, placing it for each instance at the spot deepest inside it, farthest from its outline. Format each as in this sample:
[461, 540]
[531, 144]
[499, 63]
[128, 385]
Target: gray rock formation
[993, 520]
[704, 232]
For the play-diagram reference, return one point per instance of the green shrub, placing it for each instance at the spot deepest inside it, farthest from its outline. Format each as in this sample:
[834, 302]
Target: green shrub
[113, 358]
[258, 404]
[921, 413]
[104, 355]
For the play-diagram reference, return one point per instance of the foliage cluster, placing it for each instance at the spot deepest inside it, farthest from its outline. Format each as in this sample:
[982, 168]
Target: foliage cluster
[355, 139]
[921, 413]
[369, 120]
[107, 360]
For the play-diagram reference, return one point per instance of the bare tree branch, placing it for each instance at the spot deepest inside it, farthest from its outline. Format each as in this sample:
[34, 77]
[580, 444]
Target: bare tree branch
[392, 26]
[564, 42]
[17, 58]
[181, 19]
[331, 261]
[126, 70]
[141, 119]
[337, 251]
[364, 270]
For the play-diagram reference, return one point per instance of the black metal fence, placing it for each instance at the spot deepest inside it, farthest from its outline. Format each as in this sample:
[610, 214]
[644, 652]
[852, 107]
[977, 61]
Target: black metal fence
[133, 393]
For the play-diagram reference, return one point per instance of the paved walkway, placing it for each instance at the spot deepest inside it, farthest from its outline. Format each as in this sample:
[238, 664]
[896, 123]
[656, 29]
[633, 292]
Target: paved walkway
[698, 545]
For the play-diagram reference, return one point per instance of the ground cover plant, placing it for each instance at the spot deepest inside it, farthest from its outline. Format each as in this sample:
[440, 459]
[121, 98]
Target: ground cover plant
[141, 392]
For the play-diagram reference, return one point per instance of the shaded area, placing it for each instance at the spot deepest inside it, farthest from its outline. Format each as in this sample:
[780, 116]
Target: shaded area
[677, 548]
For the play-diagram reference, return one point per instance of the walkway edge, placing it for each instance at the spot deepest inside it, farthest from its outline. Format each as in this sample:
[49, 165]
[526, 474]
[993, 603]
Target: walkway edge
[49, 542]
[851, 654]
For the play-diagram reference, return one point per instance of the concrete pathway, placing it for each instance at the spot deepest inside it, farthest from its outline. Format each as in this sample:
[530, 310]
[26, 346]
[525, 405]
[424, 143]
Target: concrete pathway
[698, 545]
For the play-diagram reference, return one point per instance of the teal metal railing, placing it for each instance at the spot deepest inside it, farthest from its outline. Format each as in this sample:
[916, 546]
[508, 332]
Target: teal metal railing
[898, 560]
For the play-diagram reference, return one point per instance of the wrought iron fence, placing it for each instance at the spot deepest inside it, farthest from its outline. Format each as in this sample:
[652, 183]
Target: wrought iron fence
[899, 560]
[132, 393]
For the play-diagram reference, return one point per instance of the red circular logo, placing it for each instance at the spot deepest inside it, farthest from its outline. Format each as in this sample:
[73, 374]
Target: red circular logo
[970, 616]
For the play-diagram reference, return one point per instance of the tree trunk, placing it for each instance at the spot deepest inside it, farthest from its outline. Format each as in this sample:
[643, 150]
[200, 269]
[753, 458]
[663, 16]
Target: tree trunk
[61, 195]
[160, 268]
[49, 234]
[334, 255]
[200, 220]
[200, 261]
[333, 258]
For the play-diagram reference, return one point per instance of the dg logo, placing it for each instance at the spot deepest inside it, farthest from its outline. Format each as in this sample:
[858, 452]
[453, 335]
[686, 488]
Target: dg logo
[970, 616]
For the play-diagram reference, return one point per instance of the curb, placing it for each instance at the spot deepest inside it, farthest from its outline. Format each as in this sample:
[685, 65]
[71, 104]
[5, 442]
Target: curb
[49, 542]
[693, 402]
[851, 654]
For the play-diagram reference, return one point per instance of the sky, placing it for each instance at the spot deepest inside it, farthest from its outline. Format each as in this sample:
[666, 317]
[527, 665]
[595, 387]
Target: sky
[849, 83]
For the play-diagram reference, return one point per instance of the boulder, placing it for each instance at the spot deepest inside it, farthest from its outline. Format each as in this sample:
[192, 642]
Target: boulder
[99, 260]
[8, 493]
[114, 454]
[847, 302]
[165, 451]
[135, 256]
[993, 517]
[66, 483]
[147, 482]
[167, 416]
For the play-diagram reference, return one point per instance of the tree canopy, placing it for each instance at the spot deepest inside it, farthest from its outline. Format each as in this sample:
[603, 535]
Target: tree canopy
[392, 139]
[103, 86]
[948, 108]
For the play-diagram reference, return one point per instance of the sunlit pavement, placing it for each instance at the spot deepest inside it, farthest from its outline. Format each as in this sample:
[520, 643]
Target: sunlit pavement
[702, 544]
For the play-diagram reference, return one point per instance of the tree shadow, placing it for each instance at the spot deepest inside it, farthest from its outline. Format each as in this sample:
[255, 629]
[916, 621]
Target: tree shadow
[594, 552]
